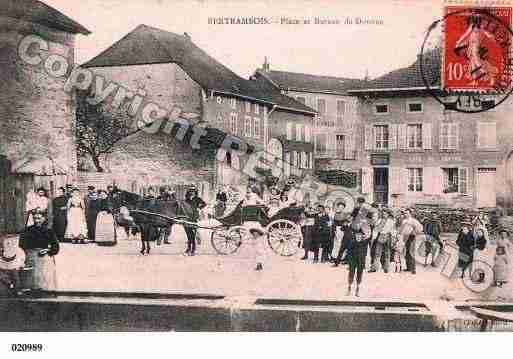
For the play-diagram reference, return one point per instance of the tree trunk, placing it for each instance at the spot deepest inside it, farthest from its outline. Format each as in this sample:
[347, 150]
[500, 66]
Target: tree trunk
[97, 164]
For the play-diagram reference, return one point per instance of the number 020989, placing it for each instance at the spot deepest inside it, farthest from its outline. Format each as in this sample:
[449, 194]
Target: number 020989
[26, 347]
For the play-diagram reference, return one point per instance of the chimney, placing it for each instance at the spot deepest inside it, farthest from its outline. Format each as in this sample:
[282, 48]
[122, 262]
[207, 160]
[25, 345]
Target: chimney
[265, 66]
[187, 36]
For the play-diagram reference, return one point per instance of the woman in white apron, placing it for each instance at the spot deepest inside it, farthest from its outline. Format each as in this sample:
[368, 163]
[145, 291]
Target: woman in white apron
[76, 229]
[105, 226]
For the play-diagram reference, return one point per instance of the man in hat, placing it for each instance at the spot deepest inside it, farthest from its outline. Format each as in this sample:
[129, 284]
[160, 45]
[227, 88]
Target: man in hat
[410, 228]
[12, 259]
[360, 208]
[434, 245]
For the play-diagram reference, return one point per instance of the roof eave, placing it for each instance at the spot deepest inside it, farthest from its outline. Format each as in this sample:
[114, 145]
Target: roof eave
[395, 89]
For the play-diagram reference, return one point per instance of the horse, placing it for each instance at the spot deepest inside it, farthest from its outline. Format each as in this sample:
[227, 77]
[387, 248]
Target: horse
[150, 216]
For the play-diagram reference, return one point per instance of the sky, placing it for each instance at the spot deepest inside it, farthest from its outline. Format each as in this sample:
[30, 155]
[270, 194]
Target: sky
[345, 50]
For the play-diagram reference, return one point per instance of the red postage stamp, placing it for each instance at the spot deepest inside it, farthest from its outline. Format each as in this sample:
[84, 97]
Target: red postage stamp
[477, 49]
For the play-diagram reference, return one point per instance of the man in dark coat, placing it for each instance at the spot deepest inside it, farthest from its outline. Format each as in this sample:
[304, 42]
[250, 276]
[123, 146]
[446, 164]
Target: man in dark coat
[91, 212]
[194, 204]
[434, 245]
[357, 252]
[59, 208]
[323, 231]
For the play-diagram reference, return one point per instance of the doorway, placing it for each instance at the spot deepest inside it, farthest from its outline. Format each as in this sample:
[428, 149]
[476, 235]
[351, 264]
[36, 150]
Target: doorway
[381, 185]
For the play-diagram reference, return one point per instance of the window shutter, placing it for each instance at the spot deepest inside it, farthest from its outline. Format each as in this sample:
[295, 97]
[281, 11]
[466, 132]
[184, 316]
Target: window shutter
[366, 180]
[441, 144]
[395, 180]
[307, 133]
[401, 134]
[348, 147]
[428, 176]
[426, 136]
[404, 180]
[457, 135]
[368, 137]
[311, 160]
[463, 179]
[392, 128]
[289, 131]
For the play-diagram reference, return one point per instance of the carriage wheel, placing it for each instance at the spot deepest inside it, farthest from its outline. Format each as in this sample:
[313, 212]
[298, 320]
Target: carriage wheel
[227, 240]
[284, 237]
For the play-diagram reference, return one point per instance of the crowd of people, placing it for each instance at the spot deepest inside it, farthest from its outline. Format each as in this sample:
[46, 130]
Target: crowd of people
[75, 217]
[370, 238]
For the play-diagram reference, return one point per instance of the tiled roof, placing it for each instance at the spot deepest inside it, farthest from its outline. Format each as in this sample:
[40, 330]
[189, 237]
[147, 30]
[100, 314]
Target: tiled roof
[38, 12]
[408, 77]
[148, 45]
[310, 83]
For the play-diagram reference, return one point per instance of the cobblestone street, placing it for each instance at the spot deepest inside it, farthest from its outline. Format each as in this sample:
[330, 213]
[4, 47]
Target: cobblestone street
[123, 268]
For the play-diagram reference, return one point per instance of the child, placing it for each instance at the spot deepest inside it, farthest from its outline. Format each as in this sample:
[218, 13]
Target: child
[12, 259]
[259, 243]
[502, 260]
[398, 247]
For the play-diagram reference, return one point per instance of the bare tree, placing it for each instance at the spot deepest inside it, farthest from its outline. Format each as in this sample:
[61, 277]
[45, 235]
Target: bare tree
[98, 129]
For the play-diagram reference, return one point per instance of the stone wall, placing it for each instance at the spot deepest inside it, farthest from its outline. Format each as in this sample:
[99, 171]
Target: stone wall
[36, 113]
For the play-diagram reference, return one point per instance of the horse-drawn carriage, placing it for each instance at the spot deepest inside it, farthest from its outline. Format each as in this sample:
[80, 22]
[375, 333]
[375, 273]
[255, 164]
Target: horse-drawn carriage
[283, 230]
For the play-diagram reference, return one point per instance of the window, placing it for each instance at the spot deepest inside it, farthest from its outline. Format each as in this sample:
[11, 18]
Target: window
[233, 123]
[340, 140]
[256, 108]
[381, 109]
[300, 132]
[308, 133]
[298, 159]
[256, 129]
[247, 126]
[450, 180]
[341, 110]
[414, 107]
[414, 179]
[455, 180]
[414, 136]
[487, 135]
[306, 163]
[301, 99]
[448, 136]
[381, 137]
[220, 118]
[248, 106]
[233, 103]
[219, 99]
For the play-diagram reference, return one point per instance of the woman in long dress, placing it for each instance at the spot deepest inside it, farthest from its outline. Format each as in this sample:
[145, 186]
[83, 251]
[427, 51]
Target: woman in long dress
[40, 245]
[76, 229]
[105, 227]
[59, 214]
[502, 259]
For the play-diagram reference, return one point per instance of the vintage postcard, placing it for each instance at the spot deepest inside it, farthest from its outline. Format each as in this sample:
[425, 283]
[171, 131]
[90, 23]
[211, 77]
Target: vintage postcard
[248, 166]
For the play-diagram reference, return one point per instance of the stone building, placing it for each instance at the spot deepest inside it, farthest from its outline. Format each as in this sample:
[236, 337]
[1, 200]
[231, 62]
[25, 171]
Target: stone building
[172, 71]
[414, 151]
[37, 115]
[36, 130]
[334, 129]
